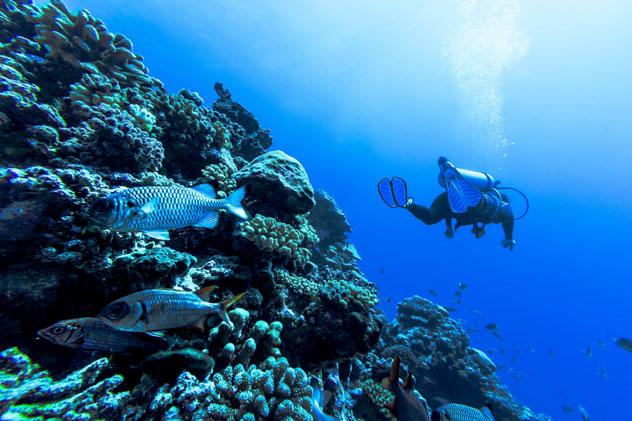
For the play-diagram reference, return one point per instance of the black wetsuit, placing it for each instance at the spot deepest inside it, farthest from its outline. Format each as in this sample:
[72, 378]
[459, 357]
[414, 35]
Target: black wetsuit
[488, 211]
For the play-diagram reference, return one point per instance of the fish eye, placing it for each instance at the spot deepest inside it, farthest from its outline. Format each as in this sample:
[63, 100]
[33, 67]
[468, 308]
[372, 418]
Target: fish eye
[102, 205]
[59, 330]
[130, 204]
[116, 311]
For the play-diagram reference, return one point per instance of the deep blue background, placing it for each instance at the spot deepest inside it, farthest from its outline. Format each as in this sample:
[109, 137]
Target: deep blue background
[365, 90]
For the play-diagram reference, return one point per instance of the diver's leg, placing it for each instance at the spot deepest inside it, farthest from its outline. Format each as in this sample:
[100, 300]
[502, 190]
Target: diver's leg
[440, 209]
[507, 221]
[423, 213]
[449, 231]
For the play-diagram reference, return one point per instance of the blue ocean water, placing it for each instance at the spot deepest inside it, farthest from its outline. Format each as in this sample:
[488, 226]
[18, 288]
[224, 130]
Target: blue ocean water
[538, 94]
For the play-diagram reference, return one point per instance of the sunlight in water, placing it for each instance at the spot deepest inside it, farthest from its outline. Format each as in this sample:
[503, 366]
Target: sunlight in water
[485, 46]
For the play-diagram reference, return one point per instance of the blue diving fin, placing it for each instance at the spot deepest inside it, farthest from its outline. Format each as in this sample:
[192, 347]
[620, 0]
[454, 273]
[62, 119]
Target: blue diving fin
[400, 191]
[384, 189]
[461, 194]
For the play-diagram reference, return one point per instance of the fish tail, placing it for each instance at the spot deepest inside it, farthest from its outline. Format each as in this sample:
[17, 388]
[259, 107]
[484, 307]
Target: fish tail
[233, 203]
[226, 304]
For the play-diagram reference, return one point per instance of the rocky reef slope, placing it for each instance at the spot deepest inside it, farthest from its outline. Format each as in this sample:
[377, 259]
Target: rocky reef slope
[80, 117]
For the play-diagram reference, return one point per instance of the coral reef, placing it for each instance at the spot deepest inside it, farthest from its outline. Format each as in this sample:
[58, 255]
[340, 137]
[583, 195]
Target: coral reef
[80, 118]
[436, 350]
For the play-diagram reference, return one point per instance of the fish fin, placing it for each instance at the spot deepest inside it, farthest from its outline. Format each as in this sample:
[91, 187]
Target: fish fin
[410, 381]
[205, 292]
[158, 235]
[209, 221]
[226, 304]
[206, 189]
[150, 206]
[200, 324]
[233, 203]
[487, 410]
[156, 334]
[394, 375]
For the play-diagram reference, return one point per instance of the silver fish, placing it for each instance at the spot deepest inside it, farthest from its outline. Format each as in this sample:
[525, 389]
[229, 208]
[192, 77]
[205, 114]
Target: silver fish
[156, 209]
[91, 334]
[159, 309]
[459, 412]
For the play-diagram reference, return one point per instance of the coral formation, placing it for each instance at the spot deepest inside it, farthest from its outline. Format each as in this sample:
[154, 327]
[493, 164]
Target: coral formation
[28, 392]
[81, 117]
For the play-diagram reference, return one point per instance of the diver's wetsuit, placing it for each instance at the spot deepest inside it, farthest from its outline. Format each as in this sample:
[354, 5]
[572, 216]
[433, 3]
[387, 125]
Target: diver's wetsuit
[486, 212]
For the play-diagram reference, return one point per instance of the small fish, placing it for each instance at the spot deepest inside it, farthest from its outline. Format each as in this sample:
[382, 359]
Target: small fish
[91, 334]
[388, 299]
[602, 373]
[588, 351]
[491, 326]
[160, 309]
[601, 344]
[568, 409]
[477, 312]
[156, 209]
[458, 293]
[583, 413]
[459, 412]
[624, 343]
[551, 353]
[462, 286]
[382, 271]
[497, 335]
[433, 292]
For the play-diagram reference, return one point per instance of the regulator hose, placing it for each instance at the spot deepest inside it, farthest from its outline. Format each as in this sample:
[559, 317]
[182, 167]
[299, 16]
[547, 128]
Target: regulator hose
[524, 196]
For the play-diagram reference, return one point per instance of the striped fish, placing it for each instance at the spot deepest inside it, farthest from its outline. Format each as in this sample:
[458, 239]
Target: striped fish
[156, 209]
[459, 412]
[91, 334]
[161, 309]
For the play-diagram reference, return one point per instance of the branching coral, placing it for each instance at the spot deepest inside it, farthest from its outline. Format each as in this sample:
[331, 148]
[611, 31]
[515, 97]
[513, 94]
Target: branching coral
[272, 236]
[346, 293]
[297, 284]
[273, 391]
[222, 176]
[29, 392]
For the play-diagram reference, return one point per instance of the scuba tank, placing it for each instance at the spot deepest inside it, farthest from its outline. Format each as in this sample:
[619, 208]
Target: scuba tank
[465, 189]
[481, 180]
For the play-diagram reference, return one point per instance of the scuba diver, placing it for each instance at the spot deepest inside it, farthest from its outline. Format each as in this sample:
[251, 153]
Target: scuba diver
[471, 198]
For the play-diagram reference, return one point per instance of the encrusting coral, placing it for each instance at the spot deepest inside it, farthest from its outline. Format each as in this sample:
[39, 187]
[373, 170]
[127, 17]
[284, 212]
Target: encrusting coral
[80, 118]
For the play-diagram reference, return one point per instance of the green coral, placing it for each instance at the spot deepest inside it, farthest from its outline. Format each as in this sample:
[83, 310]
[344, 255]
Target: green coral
[297, 284]
[276, 237]
[275, 390]
[222, 175]
[304, 226]
[236, 347]
[92, 90]
[381, 397]
[344, 293]
[26, 391]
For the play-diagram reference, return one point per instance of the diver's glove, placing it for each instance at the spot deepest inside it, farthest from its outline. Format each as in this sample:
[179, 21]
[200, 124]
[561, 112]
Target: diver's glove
[508, 244]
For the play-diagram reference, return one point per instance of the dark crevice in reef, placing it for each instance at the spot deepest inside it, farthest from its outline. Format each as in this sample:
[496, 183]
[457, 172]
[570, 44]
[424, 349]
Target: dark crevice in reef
[80, 116]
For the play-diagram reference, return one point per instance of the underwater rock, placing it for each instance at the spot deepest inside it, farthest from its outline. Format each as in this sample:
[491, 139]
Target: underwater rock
[328, 220]
[256, 140]
[168, 365]
[278, 183]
